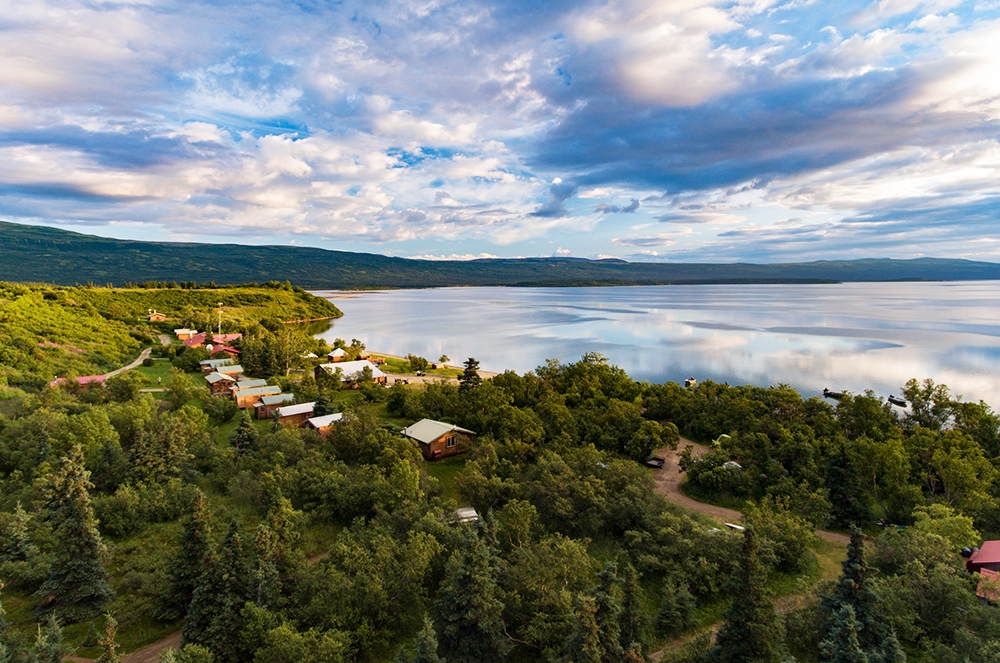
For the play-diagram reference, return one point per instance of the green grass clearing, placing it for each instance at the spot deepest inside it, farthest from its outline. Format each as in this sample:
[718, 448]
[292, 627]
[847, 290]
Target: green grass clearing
[445, 471]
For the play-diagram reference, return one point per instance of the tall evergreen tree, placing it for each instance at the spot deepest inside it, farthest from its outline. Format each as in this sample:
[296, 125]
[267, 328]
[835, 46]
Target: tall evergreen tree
[634, 619]
[213, 619]
[264, 568]
[607, 601]
[584, 643]
[469, 610]
[854, 588]
[18, 547]
[425, 648]
[751, 632]
[245, 438]
[77, 586]
[470, 376]
[187, 565]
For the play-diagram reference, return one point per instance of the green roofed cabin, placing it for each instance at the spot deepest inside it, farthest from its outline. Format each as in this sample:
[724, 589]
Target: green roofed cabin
[266, 406]
[246, 398]
[438, 439]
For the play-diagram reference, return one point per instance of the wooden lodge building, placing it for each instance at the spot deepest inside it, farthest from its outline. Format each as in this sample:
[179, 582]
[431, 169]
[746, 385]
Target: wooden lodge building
[248, 396]
[438, 439]
[266, 406]
[220, 384]
[351, 371]
[294, 415]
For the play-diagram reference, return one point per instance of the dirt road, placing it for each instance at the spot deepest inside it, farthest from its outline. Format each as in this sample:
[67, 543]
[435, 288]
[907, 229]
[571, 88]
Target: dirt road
[669, 479]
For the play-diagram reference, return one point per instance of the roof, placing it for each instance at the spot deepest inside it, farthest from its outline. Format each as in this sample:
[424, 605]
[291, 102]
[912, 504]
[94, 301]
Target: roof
[213, 378]
[230, 368]
[222, 361]
[324, 421]
[185, 330]
[339, 352]
[247, 384]
[224, 348]
[465, 514]
[257, 391]
[351, 369]
[310, 355]
[277, 399]
[292, 410]
[989, 553]
[199, 339]
[426, 431]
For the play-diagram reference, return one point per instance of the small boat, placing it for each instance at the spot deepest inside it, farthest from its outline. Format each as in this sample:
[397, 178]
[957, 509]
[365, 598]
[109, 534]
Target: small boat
[897, 401]
[837, 395]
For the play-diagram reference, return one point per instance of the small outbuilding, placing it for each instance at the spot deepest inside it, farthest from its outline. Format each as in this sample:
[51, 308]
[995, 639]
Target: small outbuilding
[337, 355]
[438, 439]
[183, 334]
[156, 316]
[209, 365]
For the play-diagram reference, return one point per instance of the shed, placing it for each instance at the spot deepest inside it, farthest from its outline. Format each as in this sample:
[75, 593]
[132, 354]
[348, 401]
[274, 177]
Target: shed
[989, 586]
[465, 514]
[266, 406]
[322, 424]
[438, 439]
[340, 354]
[184, 333]
[156, 316]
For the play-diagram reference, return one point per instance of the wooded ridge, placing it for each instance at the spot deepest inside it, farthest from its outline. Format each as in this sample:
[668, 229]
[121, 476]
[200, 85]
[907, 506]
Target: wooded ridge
[48, 255]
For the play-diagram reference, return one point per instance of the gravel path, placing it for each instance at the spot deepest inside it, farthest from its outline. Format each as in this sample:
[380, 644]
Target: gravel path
[669, 479]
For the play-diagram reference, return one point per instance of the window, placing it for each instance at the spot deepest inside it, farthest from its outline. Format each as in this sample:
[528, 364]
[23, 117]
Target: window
[450, 441]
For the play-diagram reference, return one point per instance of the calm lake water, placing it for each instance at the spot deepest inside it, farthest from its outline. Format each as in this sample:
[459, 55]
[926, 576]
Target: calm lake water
[852, 336]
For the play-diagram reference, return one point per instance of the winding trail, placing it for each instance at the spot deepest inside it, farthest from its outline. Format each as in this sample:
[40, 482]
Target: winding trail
[669, 480]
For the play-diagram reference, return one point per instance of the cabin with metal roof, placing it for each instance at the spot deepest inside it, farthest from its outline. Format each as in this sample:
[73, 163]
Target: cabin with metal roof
[293, 415]
[351, 371]
[266, 406]
[210, 365]
[245, 398]
[338, 354]
[322, 424]
[438, 439]
[220, 384]
[987, 557]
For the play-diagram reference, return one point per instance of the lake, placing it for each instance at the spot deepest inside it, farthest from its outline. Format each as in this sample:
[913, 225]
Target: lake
[852, 336]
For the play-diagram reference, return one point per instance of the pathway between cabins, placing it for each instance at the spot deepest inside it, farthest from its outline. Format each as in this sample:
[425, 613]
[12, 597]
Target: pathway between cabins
[142, 356]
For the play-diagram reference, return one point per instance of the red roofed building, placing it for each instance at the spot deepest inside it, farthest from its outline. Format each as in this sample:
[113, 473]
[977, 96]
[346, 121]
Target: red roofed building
[85, 379]
[217, 339]
[987, 557]
[989, 586]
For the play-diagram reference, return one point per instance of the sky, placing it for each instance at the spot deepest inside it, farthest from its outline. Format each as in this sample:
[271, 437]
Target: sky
[649, 130]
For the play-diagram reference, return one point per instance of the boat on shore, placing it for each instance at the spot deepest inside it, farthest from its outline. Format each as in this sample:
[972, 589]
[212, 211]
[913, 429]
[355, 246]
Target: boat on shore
[836, 395]
[895, 400]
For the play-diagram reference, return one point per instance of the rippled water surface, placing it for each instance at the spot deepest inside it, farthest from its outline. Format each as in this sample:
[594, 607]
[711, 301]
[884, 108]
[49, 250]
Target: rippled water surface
[852, 336]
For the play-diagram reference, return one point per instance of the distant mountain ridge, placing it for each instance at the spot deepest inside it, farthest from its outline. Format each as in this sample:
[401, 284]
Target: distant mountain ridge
[49, 255]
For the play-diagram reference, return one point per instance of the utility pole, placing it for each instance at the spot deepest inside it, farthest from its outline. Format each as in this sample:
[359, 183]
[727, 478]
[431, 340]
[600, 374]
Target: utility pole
[220, 318]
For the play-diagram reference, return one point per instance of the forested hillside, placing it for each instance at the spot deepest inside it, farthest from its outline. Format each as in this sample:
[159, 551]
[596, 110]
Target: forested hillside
[31, 253]
[258, 542]
[49, 331]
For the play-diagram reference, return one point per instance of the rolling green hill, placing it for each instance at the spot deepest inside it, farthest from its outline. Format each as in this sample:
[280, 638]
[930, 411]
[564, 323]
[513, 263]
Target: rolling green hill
[47, 255]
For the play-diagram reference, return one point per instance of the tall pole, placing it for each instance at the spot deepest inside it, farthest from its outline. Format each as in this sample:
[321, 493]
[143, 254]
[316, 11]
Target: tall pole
[220, 318]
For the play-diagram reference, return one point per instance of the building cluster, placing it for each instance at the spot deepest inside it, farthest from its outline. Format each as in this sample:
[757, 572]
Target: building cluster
[214, 343]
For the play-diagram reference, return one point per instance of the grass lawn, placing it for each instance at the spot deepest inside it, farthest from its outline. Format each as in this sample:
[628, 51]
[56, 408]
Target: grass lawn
[159, 369]
[445, 471]
[396, 365]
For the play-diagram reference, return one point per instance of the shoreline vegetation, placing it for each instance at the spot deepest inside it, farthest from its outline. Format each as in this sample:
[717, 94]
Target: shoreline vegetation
[234, 540]
[48, 255]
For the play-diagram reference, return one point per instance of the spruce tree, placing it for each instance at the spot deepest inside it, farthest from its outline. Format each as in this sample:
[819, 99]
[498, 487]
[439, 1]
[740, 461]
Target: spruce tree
[634, 619]
[50, 646]
[607, 601]
[18, 547]
[584, 643]
[264, 568]
[470, 376]
[245, 438]
[676, 609]
[841, 644]
[213, 619]
[751, 632]
[77, 586]
[469, 610]
[854, 588]
[187, 565]
[425, 648]
[109, 646]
